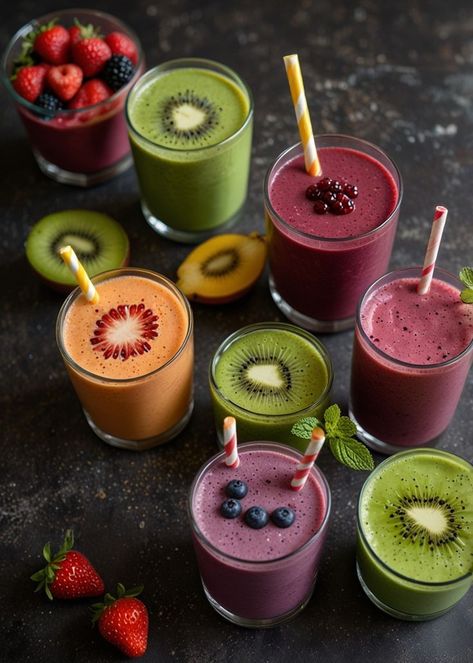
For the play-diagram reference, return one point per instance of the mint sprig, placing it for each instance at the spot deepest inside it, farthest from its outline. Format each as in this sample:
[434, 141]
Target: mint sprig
[339, 432]
[466, 277]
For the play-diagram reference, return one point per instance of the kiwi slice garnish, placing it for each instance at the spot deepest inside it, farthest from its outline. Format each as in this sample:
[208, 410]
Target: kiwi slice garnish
[186, 116]
[223, 268]
[271, 372]
[98, 240]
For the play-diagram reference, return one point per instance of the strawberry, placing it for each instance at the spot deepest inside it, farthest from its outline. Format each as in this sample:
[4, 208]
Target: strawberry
[121, 44]
[65, 80]
[123, 621]
[91, 55]
[92, 92]
[52, 44]
[79, 31]
[29, 82]
[68, 574]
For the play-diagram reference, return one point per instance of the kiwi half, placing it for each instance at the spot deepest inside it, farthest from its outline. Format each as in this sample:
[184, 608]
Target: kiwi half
[188, 116]
[271, 372]
[98, 240]
[223, 268]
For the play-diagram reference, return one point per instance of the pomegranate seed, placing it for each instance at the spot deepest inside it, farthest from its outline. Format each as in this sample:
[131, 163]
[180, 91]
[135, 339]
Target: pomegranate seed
[351, 190]
[324, 184]
[329, 198]
[320, 207]
[348, 207]
[312, 192]
[338, 208]
[336, 186]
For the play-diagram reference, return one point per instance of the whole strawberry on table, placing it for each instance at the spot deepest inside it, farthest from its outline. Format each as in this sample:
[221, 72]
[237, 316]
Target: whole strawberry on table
[64, 68]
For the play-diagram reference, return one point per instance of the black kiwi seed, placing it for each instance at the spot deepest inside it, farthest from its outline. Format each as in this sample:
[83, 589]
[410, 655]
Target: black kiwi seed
[201, 129]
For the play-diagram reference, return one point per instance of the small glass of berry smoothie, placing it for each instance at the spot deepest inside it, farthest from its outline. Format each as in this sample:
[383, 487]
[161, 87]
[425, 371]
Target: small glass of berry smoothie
[411, 357]
[329, 237]
[68, 74]
[258, 542]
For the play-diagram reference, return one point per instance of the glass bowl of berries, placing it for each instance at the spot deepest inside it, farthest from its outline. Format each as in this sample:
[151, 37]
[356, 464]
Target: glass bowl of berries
[69, 73]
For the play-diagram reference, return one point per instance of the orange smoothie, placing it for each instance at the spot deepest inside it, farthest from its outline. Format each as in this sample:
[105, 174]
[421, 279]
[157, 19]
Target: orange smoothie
[130, 357]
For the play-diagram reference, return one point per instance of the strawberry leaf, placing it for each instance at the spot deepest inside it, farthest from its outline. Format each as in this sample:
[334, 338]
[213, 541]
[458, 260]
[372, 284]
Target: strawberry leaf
[47, 552]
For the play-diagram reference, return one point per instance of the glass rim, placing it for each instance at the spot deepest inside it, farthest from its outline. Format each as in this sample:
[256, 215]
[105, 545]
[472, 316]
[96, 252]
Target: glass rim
[281, 448]
[103, 276]
[332, 240]
[284, 326]
[69, 112]
[393, 360]
[228, 71]
[384, 565]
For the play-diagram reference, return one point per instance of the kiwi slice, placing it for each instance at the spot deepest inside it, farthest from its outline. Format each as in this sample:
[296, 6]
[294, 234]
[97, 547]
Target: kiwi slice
[98, 240]
[223, 268]
[418, 516]
[188, 116]
[271, 371]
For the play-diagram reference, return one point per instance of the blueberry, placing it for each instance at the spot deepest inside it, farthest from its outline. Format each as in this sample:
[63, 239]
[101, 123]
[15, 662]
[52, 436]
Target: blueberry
[283, 516]
[236, 489]
[230, 508]
[256, 517]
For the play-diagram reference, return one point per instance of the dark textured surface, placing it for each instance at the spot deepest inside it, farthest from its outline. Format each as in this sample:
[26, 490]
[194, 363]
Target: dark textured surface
[396, 73]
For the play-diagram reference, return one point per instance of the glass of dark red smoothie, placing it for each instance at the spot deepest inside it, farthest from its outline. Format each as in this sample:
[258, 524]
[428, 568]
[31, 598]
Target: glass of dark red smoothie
[81, 146]
[411, 357]
[323, 258]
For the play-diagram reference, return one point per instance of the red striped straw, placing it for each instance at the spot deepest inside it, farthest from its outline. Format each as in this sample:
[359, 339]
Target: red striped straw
[230, 443]
[438, 224]
[304, 467]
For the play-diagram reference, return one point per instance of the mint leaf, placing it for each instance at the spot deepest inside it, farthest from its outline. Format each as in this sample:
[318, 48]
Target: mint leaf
[467, 296]
[331, 417]
[304, 427]
[346, 427]
[351, 453]
[466, 276]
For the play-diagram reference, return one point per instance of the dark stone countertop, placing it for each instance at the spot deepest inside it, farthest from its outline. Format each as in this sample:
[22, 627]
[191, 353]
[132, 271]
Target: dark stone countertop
[396, 73]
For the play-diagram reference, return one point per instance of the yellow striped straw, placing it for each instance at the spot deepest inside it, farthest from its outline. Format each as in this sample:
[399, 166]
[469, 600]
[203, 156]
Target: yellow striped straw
[85, 284]
[296, 85]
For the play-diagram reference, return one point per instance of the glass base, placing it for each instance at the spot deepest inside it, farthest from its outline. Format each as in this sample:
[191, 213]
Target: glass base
[257, 623]
[311, 324]
[384, 447]
[392, 611]
[147, 443]
[184, 236]
[81, 179]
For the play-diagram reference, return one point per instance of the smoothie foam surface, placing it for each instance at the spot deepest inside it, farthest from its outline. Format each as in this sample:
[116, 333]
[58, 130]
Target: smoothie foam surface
[268, 475]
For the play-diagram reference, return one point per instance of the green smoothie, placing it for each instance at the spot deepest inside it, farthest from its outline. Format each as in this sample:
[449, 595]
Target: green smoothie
[268, 376]
[190, 127]
[415, 533]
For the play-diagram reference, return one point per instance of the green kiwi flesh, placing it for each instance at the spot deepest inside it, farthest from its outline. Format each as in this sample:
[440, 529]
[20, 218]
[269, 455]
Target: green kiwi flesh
[98, 240]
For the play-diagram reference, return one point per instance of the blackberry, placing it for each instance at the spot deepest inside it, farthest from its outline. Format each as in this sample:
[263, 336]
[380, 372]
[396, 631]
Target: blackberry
[49, 102]
[117, 71]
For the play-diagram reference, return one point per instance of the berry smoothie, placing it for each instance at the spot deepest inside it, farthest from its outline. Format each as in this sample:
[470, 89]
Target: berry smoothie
[415, 533]
[259, 577]
[411, 357]
[190, 124]
[130, 357]
[84, 146]
[322, 258]
[268, 376]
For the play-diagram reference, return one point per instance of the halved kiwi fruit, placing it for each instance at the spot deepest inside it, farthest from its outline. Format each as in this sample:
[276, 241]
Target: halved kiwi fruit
[223, 268]
[98, 240]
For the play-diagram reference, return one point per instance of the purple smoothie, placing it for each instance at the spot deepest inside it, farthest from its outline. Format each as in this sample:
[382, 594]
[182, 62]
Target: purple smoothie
[411, 357]
[264, 574]
[321, 264]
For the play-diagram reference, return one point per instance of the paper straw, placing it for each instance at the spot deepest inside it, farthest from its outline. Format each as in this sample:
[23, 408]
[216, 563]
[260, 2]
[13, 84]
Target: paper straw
[85, 284]
[230, 442]
[296, 85]
[304, 467]
[438, 224]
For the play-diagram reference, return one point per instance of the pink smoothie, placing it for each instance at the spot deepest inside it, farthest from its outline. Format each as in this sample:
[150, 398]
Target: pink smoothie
[245, 570]
[321, 264]
[410, 403]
